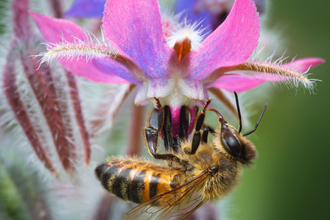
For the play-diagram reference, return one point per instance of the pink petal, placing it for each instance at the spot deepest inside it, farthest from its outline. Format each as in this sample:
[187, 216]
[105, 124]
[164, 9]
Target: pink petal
[160, 87]
[236, 82]
[232, 43]
[108, 65]
[54, 29]
[240, 83]
[193, 89]
[91, 71]
[304, 64]
[134, 28]
[141, 97]
[157, 88]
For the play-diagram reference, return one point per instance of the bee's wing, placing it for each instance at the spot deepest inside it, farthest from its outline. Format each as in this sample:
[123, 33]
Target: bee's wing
[182, 201]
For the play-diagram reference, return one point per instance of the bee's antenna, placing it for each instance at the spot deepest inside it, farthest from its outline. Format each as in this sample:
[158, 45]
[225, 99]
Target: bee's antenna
[255, 128]
[239, 113]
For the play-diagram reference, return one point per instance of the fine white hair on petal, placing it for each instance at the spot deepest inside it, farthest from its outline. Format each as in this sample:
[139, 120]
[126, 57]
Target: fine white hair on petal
[79, 49]
[170, 21]
[190, 31]
[270, 39]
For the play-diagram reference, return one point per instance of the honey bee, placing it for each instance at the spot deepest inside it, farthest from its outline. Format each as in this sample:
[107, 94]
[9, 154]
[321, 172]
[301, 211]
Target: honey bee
[197, 171]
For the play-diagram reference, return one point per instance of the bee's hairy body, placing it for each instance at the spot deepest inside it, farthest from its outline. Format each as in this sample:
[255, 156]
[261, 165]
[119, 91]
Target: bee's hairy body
[219, 184]
[196, 171]
[138, 180]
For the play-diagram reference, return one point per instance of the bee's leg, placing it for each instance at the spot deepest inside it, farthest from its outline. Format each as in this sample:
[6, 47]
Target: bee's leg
[197, 135]
[156, 121]
[184, 122]
[206, 130]
[196, 140]
[210, 129]
[170, 143]
[205, 134]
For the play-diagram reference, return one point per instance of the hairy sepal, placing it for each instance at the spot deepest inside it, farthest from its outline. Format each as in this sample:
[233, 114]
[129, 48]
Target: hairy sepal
[278, 72]
[77, 50]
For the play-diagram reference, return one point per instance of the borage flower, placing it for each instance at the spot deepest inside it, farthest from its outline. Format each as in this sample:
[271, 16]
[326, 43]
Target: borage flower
[178, 72]
[209, 14]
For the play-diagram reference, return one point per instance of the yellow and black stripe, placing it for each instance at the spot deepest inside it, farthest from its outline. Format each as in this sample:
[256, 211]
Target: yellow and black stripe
[136, 181]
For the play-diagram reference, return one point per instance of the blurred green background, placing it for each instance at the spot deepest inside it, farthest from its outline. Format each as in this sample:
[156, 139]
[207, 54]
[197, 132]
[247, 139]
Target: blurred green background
[291, 177]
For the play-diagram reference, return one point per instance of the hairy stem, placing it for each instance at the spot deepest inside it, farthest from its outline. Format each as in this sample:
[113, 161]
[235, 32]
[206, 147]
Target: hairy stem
[43, 86]
[18, 108]
[74, 93]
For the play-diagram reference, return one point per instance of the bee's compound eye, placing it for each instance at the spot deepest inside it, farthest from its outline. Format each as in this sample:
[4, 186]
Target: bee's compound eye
[231, 144]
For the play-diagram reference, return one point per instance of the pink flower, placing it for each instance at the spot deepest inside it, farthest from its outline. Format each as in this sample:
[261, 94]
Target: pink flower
[178, 71]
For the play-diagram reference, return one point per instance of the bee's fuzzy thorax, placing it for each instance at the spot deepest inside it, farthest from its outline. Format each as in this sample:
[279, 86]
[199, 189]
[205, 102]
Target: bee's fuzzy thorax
[208, 155]
[223, 182]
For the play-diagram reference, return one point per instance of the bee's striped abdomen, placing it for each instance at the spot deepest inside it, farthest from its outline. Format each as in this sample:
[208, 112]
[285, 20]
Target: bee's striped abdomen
[136, 181]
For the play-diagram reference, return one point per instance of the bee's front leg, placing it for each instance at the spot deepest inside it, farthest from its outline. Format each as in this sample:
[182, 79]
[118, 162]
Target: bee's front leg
[156, 121]
[199, 136]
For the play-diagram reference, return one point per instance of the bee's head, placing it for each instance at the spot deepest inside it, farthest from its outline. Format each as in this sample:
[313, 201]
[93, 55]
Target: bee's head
[235, 143]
